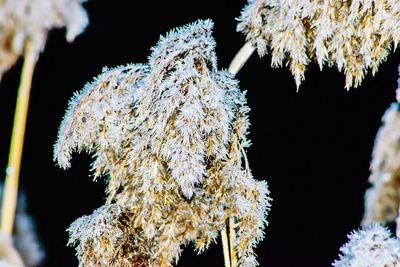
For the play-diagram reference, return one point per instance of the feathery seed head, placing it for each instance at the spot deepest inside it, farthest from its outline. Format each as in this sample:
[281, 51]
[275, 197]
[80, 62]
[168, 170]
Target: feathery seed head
[192, 40]
[370, 246]
[99, 116]
[169, 135]
[106, 238]
[353, 35]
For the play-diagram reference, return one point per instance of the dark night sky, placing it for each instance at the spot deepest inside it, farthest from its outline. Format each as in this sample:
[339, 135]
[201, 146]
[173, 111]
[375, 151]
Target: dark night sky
[312, 146]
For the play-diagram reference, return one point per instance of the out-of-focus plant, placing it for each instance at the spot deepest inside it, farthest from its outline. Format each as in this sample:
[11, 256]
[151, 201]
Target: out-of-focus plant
[382, 200]
[354, 36]
[24, 243]
[372, 245]
[9, 256]
[170, 137]
[24, 25]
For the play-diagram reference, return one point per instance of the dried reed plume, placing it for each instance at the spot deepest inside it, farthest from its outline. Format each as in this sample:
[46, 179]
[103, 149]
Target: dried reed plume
[354, 35]
[170, 137]
[371, 246]
[30, 20]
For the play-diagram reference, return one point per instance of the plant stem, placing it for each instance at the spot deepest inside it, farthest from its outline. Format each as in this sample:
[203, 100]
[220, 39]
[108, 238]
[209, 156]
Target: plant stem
[229, 254]
[228, 247]
[17, 140]
[232, 237]
[225, 247]
[240, 58]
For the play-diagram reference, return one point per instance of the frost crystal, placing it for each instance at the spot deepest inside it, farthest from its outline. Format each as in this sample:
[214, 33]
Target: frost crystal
[370, 247]
[354, 35]
[23, 20]
[383, 198]
[169, 135]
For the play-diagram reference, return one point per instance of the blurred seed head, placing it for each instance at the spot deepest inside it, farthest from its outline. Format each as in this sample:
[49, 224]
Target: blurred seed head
[24, 239]
[382, 200]
[30, 20]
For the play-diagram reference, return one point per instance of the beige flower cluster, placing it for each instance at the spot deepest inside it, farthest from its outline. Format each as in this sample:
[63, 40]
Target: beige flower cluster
[170, 137]
[23, 20]
[383, 198]
[354, 35]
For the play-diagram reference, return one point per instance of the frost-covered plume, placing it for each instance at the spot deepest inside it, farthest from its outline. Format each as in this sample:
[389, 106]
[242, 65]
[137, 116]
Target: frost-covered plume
[105, 238]
[382, 200]
[355, 36]
[30, 20]
[169, 136]
[371, 246]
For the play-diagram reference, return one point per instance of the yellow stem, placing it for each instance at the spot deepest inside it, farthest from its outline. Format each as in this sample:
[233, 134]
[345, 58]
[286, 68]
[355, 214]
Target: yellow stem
[232, 237]
[17, 140]
[240, 58]
[225, 247]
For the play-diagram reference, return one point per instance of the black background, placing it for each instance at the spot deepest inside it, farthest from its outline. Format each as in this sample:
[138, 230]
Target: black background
[312, 146]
